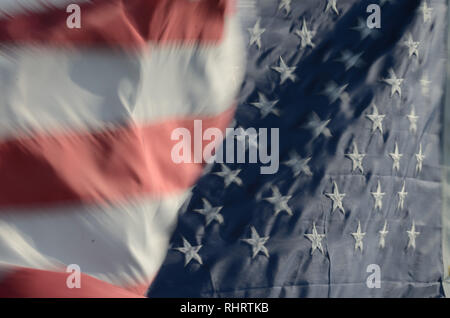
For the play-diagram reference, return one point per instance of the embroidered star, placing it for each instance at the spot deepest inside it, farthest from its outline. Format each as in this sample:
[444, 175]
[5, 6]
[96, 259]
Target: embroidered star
[305, 35]
[412, 235]
[257, 243]
[396, 156]
[419, 158]
[316, 240]
[334, 92]
[298, 164]
[413, 47]
[383, 233]
[336, 197]
[331, 5]
[286, 5]
[280, 202]
[255, 34]
[285, 71]
[426, 11]
[358, 236]
[376, 118]
[425, 85]
[229, 176]
[190, 252]
[350, 60]
[211, 213]
[378, 196]
[363, 29]
[318, 126]
[394, 82]
[356, 158]
[412, 117]
[265, 106]
[401, 197]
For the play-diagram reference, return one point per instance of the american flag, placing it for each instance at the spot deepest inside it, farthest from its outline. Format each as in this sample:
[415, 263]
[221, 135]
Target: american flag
[360, 187]
[90, 92]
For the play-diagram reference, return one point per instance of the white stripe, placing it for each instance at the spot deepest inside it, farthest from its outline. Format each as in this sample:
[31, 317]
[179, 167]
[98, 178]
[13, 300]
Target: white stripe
[124, 244]
[50, 89]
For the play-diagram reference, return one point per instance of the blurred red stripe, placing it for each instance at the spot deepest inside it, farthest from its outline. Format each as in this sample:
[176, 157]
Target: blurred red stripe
[128, 161]
[122, 23]
[34, 283]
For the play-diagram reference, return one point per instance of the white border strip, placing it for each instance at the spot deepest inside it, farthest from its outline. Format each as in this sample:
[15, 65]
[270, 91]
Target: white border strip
[446, 173]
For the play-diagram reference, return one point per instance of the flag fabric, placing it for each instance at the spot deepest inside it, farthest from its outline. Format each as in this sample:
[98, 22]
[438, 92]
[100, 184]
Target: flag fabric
[355, 209]
[86, 116]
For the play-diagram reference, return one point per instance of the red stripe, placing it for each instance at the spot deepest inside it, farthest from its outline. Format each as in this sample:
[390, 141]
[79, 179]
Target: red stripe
[33, 283]
[129, 161]
[122, 23]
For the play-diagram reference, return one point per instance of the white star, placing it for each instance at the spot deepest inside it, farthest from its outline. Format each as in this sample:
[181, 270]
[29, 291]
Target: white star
[396, 156]
[412, 235]
[413, 47]
[383, 234]
[377, 119]
[286, 5]
[331, 5]
[305, 35]
[412, 117]
[190, 252]
[425, 84]
[356, 158]
[298, 164]
[211, 213]
[334, 92]
[358, 236]
[350, 60]
[336, 197]
[419, 157]
[265, 106]
[257, 243]
[394, 82]
[255, 34]
[426, 11]
[378, 196]
[280, 202]
[318, 126]
[285, 71]
[229, 176]
[364, 30]
[316, 240]
[401, 197]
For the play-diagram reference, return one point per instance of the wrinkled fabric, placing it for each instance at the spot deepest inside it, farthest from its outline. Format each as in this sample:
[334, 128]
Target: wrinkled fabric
[291, 270]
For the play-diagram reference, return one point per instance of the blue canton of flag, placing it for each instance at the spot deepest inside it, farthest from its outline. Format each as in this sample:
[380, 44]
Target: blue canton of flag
[358, 190]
